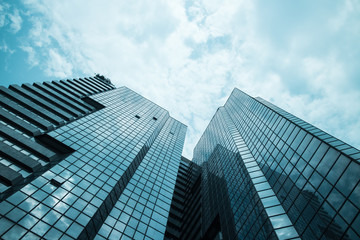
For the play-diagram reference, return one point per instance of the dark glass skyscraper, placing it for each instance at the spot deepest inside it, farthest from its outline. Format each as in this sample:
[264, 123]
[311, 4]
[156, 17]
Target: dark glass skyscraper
[81, 159]
[267, 174]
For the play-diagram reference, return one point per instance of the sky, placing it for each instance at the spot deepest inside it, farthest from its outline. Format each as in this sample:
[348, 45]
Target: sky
[187, 56]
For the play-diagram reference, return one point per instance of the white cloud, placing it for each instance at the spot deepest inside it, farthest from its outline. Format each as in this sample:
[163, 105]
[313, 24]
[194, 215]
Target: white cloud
[187, 57]
[16, 21]
[32, 59]
[346, 11]
[7, 53]
[10, 18]
[3, 12]
[57, 65]
[5, 48]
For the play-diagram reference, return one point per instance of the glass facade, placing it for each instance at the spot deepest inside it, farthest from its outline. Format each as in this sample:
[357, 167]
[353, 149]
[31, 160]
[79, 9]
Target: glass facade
[81, 159]
[115, 181]
[283, 178]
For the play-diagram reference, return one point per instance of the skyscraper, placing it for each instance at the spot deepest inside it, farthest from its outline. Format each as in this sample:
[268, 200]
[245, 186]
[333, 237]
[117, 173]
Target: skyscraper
[82, 159]
[266, 174]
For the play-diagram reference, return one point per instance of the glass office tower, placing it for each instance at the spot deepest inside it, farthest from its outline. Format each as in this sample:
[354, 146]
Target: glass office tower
[266, 174]
[81, 159]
